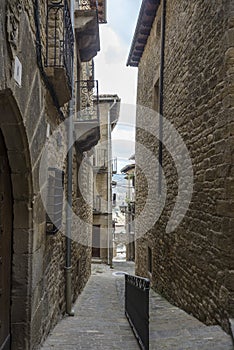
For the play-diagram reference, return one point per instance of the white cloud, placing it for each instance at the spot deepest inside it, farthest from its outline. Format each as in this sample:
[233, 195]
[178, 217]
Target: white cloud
[123, 149]
[110, 67]
[122, 16]
[123, 145]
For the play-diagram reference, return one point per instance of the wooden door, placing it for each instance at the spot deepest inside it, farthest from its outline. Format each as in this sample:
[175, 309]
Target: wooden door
[96, 242]
[5, 246]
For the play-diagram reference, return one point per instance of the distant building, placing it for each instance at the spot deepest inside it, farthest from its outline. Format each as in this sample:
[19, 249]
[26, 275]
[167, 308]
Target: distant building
[185, 58]
[129, 170]
[104, 167]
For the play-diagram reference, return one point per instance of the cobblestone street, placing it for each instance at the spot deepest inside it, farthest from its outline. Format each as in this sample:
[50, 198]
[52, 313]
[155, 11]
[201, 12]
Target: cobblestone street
[99, 321]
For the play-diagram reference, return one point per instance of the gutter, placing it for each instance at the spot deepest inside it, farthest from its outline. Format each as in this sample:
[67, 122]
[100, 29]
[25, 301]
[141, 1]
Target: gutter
[161, 94]
[70, 127]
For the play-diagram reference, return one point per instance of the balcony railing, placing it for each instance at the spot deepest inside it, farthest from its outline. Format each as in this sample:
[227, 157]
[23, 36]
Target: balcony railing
[87, 101]
[59, 38]
[114, 165]
[100, 159]
[86, 122]
[97, 5]
[86, 4]
[97, 204]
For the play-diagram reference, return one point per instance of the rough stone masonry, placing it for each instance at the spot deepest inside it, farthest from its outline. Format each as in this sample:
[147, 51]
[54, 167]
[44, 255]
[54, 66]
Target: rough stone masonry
[194, 266]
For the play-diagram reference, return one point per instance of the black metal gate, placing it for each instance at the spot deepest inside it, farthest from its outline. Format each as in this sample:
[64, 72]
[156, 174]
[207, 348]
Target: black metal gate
[5, 247]
[137, 307]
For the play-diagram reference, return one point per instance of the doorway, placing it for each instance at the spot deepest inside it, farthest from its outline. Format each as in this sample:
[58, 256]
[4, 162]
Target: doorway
[96, 242]
[6, 217]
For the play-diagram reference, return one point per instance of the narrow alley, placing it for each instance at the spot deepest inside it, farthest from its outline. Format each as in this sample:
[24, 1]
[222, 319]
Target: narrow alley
[100, 324]
[116, 174]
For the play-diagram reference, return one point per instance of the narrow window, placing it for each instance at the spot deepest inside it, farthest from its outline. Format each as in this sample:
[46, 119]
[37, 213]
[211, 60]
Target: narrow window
[156, 97]
[54, 200]
[149, 259]
[156, 107]
[158, 29]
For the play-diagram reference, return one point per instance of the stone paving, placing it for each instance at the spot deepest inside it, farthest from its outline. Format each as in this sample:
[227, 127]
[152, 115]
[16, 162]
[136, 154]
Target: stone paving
[99, 321]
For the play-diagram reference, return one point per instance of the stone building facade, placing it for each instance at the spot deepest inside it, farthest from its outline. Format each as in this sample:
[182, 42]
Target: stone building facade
[36, 43]
[129, 209]
[193, 266]
[104, 167]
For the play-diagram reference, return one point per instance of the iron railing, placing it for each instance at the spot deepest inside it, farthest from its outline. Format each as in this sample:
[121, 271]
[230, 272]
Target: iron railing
[98, 5]
[137, 307]
[59, 37]
[86, 4]
[54, 205]
[100, 159]
[97, 203]
[114, 165]
[87, 100]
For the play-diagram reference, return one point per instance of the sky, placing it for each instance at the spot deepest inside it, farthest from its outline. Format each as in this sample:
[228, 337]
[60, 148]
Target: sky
[114, 76]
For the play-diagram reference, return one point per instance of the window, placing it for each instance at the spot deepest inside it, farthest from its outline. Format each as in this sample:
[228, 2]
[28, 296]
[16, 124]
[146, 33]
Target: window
[158, 28]
[54, 200]
[149, 259]
[156, 96]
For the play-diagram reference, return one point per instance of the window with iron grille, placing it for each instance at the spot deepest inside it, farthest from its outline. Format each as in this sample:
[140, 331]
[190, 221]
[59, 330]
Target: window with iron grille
[54, 206]
[149, 259]
[59, 37]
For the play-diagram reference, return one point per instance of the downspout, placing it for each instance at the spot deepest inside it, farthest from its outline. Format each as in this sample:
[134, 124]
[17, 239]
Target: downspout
[68, 266]
[109, 200]
[161, 93]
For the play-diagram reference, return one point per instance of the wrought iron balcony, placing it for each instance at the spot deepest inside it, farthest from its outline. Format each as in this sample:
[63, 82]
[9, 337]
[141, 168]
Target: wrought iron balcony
[97, 204]
[88, 100]
[86, 123]
[88, 15]
[96, 5]
[59, 48]
[100, 160]
[114, 165]
[101, 163]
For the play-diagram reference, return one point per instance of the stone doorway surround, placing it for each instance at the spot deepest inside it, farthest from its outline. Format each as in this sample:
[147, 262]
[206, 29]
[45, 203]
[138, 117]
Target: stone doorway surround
[6, 219]
[15, 139]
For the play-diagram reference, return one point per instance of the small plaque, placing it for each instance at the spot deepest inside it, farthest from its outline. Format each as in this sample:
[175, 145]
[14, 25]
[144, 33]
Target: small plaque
[18, 71]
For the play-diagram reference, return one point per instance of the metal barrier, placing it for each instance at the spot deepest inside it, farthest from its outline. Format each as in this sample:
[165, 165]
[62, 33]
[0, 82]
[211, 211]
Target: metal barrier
[137, 307]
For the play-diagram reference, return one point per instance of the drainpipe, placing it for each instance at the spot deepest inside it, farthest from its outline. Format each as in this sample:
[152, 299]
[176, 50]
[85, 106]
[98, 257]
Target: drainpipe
[68, 266]
[109, 200]
[161, 92]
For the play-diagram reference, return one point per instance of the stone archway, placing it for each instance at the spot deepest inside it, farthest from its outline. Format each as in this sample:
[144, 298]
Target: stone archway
[15, 140]
[6, 220]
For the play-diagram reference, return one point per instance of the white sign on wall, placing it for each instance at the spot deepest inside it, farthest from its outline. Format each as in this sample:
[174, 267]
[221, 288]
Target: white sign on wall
[18, 71]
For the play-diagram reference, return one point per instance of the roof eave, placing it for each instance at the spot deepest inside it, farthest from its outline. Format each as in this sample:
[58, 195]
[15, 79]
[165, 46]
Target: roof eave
[144, 24]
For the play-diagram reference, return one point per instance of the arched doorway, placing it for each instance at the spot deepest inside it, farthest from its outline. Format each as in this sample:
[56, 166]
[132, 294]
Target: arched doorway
[17, 183]
[6, 224]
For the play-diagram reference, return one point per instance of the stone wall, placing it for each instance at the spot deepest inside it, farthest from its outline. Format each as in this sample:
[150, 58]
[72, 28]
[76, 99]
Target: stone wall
[102, 182]
[193, 266]
[82, 221]
[27, 117]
